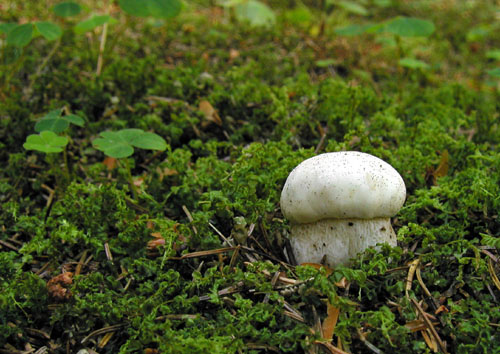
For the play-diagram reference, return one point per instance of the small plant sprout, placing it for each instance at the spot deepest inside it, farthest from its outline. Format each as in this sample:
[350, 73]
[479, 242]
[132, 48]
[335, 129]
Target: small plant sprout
[47, 142]
[67, 9]
[254, 12]
[164, 9]
[400, 27]
[18, 36]
[339, 204]
[55, 122]
[120, 144]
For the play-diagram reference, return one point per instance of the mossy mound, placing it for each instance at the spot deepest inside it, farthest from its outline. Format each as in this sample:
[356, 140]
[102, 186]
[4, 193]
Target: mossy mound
[186, 250]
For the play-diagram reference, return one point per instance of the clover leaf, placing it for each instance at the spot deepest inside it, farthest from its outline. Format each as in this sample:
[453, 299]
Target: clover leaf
[50, 31]
[46, 141]
[93, 22]
[21, 35]
[410, 27]
[67, 9]
[121, 143]
[412, 63]
[54, 122]
[494, 72]
[255, 12]
[154, 8]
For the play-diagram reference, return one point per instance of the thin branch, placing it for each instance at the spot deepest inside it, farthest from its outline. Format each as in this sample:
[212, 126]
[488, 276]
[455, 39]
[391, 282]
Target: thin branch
[42, 66]
[102, 45]
[429, 324]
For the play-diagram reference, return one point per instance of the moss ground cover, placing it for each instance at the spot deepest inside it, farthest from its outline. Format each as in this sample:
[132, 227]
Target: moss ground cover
[180, 246]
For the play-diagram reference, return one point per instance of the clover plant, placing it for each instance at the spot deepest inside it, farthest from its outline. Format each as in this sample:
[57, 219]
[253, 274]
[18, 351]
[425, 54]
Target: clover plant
[399, 27]
[255, 12]
[151, 8]
[47, 142]
[67, 9]
[19, 36]
[55, 122]
[120, 144]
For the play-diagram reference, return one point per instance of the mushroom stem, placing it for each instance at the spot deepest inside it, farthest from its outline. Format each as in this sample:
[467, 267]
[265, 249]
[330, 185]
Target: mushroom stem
[336, 241]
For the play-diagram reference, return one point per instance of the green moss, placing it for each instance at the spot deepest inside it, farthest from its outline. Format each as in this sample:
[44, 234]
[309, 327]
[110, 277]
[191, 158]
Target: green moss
[134, 253]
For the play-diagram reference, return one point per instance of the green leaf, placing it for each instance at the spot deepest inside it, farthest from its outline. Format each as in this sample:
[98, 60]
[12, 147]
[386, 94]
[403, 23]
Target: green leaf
[7, 27]
[382, 3]
[54, 122]
[74, 119]
[164, 8]
[153, 8]
[21, 35]
[255, 12]
[299, 15]
[478, 33]
[149, 141]
[50, 31]
[135, 7]
[493, 54]
[113, 145]
[410, 27]
[121, 143]
[67, 9]
[46, 141]
[93, 22]
[412, 63]
[10, 54]
[325, 62]
[494, 72]
[353, 7]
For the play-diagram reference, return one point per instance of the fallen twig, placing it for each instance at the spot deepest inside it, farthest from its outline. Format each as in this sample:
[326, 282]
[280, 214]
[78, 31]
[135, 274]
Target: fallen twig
[429, 324]
[368, 344]
[204, 253]
[103, 331]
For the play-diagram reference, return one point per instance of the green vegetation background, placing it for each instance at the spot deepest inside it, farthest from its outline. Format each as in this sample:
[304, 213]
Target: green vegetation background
[282, 93]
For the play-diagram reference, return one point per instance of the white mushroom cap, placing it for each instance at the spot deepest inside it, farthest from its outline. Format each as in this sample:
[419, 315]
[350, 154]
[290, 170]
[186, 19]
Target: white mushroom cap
[341, 185]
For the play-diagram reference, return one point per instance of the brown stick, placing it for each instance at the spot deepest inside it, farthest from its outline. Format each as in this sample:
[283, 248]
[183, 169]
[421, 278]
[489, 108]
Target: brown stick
[429, 324]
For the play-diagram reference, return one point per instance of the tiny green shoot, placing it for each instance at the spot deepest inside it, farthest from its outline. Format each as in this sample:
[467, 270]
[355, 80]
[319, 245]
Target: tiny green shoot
[121, 143]
[55, 122]
[47, 142]
[352, 7]
[256, 13]
[153, 8]
[67, 9]
[409, 27]
[21, 35]
[494, 72]
[412, 63]
[93, 22]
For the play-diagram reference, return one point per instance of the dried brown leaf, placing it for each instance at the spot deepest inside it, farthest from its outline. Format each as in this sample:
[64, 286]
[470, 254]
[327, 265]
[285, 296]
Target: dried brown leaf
[440, 309]
[330, 321]
[233, 54]
[57, 287]
[411, 272]
[493, 274]
[110, 163]
[430, 341]
[210, 113]
[318, 267]
[442, 169]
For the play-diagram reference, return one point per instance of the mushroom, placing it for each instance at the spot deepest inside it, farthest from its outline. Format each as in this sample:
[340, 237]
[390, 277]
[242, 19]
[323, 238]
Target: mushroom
[339, 204]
